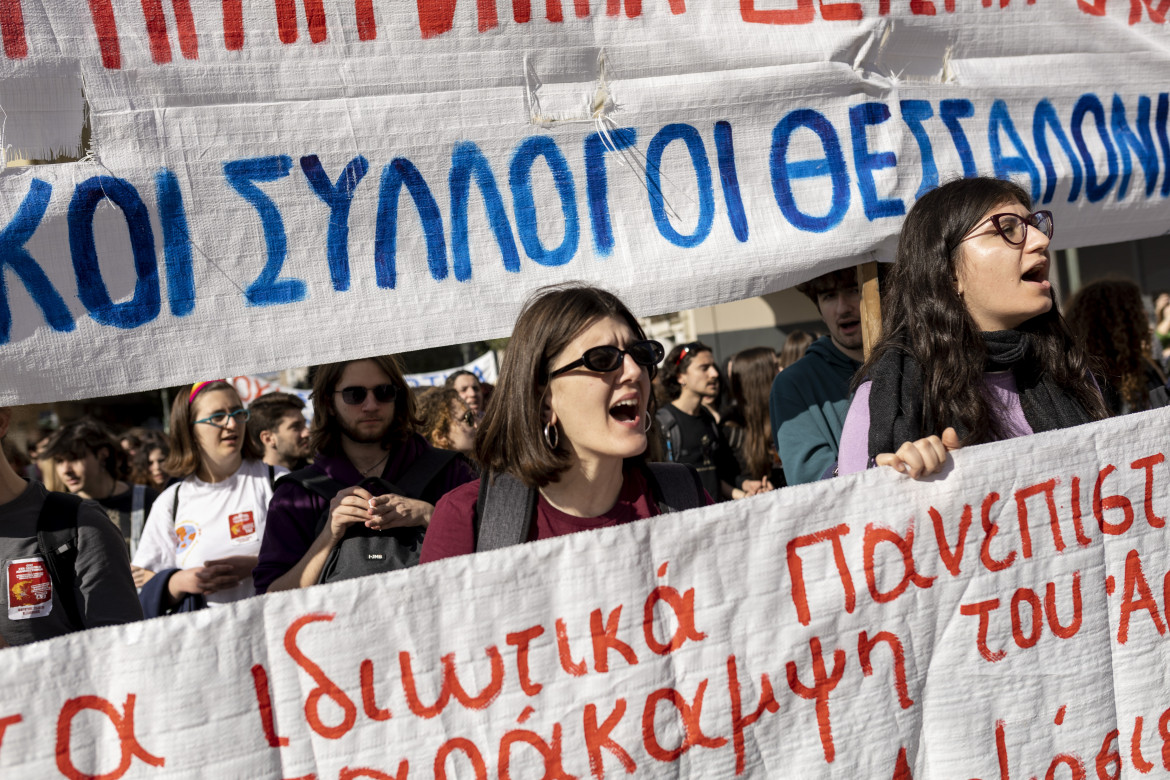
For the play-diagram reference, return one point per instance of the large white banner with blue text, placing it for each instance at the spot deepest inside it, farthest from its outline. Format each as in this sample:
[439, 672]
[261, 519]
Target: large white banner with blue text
[1005, 619]
[281, 183]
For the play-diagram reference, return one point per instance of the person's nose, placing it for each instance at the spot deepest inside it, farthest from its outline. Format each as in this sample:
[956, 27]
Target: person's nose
[631, 371]
[1037, 240]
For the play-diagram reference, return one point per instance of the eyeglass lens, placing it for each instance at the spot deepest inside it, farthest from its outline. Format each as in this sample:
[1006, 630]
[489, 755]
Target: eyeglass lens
[608, 358]
[221, 418]
[383, 394]
[1014, 228]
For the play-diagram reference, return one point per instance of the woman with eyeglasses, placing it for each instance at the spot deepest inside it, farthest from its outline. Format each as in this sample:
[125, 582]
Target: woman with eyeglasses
[973, 348]
[562, 446]
[448, 422]
[204, 531]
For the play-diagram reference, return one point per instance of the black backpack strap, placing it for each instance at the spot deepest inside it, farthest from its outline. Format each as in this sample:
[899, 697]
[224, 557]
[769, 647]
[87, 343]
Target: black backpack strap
[319, 484]
[505, 510]
[675, 487]
[668, 423]
[57, 539]
[313, 481]
[271, 475]
[429, 464]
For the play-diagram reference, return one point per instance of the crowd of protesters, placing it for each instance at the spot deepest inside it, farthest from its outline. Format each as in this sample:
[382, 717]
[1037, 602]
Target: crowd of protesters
[591, 424]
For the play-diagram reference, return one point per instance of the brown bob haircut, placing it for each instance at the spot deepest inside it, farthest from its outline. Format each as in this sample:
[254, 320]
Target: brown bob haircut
[510, 438]
[325, 432]
[185, 458]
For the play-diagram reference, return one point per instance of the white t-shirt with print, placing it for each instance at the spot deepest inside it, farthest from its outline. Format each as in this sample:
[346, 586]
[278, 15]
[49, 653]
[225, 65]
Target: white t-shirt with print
[215, 520]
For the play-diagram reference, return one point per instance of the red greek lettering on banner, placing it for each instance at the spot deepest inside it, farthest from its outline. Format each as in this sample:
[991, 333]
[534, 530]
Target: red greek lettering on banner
[823, 685]
[796, 569]
[123, 723]
[597, 738]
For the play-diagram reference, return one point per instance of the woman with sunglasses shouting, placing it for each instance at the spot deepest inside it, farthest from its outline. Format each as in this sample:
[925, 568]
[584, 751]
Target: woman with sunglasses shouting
[562, 444]
[973, 348]
[204, 531]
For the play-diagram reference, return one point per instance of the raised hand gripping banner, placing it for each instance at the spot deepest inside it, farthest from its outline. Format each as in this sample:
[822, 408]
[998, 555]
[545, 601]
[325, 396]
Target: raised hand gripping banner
[1007, 618]
[293, 182]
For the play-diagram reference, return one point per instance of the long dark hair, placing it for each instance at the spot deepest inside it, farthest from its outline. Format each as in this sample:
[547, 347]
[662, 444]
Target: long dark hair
[1109, 321]
[510, 438]
[325, 431]
[924, 316]
[750, 379]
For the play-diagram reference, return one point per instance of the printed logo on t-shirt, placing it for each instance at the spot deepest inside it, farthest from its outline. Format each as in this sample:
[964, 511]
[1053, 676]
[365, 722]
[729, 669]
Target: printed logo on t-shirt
[30, 590]
[187, 533]
[241, 526]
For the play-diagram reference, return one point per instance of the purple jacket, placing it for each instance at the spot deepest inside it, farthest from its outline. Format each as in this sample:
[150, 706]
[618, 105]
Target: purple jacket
[293, 513]
[999, 387]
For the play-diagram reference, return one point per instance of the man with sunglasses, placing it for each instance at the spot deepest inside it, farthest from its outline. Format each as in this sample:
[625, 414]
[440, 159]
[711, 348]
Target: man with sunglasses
[810, 398]
[365, 502]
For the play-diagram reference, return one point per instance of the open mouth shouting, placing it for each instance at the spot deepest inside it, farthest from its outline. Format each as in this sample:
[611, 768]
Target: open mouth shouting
[627, 411]
[1038, 275]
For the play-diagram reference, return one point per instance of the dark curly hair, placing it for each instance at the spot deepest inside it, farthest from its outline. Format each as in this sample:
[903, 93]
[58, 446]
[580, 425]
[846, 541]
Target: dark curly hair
[924, 316]
[676, 362]
[1109, 321]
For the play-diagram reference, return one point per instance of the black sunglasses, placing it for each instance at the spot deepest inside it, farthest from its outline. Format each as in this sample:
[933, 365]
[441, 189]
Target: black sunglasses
[355, 395]
[647, 354]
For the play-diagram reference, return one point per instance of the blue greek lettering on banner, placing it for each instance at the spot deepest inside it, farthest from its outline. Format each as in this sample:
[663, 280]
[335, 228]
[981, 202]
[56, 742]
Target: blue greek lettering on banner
[866, 162]
[914, 113]
[1089, 103]
[176, 243]
[13, 255]
[1127, 140]
[831, 165]
[402, 172]
[597, 182]
[1044, 120]
[1163, 139]
[146, 303]
[268, 289]
[950, 112]
[520, 182]
[1005, 166]
[725, 150]
[338, 197]
[698, 154]
[466, 161]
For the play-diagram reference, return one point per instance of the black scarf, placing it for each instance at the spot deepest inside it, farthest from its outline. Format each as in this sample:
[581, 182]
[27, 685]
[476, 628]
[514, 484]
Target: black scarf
[896, 413]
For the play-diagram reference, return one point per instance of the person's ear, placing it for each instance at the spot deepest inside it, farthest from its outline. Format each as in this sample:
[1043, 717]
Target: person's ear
[547, 415]
[266, 438]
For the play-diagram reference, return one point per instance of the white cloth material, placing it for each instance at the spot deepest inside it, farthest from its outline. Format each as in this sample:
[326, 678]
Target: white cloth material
[792, 634]
[408, 180]
[215, 520]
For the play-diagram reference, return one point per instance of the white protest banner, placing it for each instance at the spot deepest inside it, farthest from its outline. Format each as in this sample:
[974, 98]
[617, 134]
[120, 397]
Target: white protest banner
[1007, 618]
[250, 388]
[484, 368]
[290, 183]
